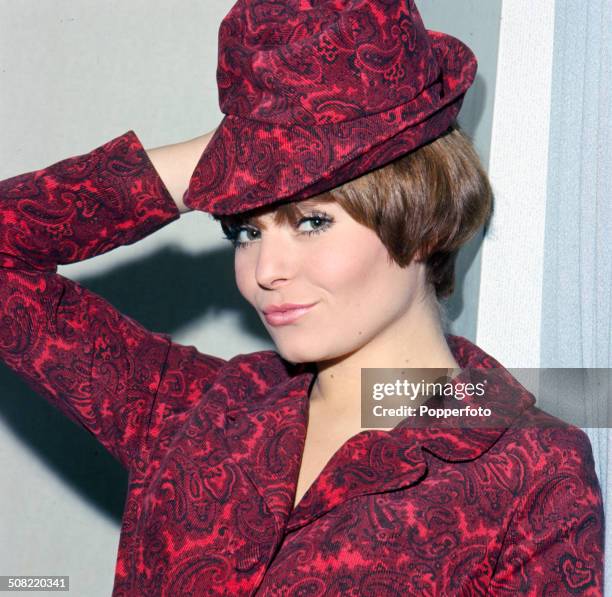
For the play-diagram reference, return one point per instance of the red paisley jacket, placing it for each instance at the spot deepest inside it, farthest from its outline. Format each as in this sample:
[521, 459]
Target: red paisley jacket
[213, 447]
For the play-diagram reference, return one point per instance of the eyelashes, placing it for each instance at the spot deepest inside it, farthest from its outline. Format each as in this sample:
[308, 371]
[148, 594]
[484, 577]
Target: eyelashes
[321, 220]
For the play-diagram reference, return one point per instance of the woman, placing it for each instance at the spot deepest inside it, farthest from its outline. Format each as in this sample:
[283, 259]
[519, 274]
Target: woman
[346, 188]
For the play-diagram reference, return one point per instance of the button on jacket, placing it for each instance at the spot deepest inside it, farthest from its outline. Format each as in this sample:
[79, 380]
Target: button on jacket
[213, 446]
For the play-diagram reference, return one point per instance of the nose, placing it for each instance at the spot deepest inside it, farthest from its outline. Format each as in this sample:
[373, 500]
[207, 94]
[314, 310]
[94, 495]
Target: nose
[276, 260]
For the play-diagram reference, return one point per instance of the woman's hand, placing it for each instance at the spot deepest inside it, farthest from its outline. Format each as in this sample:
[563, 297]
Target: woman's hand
[175, 164]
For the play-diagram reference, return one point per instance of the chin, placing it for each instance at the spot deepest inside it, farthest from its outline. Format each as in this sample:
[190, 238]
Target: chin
[314, 353]
[297, 357]
[299, 354]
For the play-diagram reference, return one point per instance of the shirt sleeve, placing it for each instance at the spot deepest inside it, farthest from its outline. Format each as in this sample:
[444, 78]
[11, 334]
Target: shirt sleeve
[555, 543]
[101, 368]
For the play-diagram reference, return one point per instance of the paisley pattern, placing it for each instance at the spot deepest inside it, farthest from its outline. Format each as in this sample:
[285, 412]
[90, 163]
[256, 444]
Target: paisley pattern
[317, 92]
[213, 447]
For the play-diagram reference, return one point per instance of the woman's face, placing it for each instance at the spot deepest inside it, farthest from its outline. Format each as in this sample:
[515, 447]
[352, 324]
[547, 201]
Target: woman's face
[329, 261]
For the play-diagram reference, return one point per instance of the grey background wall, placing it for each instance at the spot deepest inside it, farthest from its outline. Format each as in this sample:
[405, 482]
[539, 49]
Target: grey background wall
[476, 22]
[74, 75]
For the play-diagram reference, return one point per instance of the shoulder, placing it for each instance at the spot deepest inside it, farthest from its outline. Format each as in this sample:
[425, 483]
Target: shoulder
[548, 443]
[554, 461]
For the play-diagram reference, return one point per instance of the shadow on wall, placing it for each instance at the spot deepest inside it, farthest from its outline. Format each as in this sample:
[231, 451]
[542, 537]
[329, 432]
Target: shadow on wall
[469, 285]
[455, 304]
[164, 292]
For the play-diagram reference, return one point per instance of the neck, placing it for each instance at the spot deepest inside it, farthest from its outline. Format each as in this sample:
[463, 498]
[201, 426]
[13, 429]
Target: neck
[415, 341]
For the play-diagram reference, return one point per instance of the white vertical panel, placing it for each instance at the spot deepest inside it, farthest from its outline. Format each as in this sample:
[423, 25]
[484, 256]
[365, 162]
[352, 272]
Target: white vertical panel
[512, 252]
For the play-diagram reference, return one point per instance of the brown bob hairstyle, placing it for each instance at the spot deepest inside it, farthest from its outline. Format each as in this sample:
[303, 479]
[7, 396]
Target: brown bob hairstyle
[424, 205]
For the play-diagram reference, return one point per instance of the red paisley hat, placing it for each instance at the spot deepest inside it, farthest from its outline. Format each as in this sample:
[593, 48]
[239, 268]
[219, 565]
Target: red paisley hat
[318, 92]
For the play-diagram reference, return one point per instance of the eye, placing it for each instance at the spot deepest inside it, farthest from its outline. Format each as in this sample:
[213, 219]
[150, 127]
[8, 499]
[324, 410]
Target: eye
[233, 235]
[320, 222]
[250, 234]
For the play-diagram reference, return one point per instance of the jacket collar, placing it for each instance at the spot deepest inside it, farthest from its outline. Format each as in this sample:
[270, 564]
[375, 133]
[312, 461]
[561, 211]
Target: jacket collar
[456, 438]
[267, 418]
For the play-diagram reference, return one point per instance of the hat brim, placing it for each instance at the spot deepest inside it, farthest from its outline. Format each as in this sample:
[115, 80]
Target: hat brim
[249, 164]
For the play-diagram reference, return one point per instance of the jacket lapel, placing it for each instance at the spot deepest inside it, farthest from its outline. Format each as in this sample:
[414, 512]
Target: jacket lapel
[375, 461]
[265, 427]
[372, 461]
[267, 418]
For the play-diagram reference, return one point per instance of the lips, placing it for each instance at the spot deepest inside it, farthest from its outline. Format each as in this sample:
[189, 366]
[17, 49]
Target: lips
[285, 314]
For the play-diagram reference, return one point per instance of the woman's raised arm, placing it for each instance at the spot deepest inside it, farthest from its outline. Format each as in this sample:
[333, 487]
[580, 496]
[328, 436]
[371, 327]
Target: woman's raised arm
[175, 164]
[99, 367]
